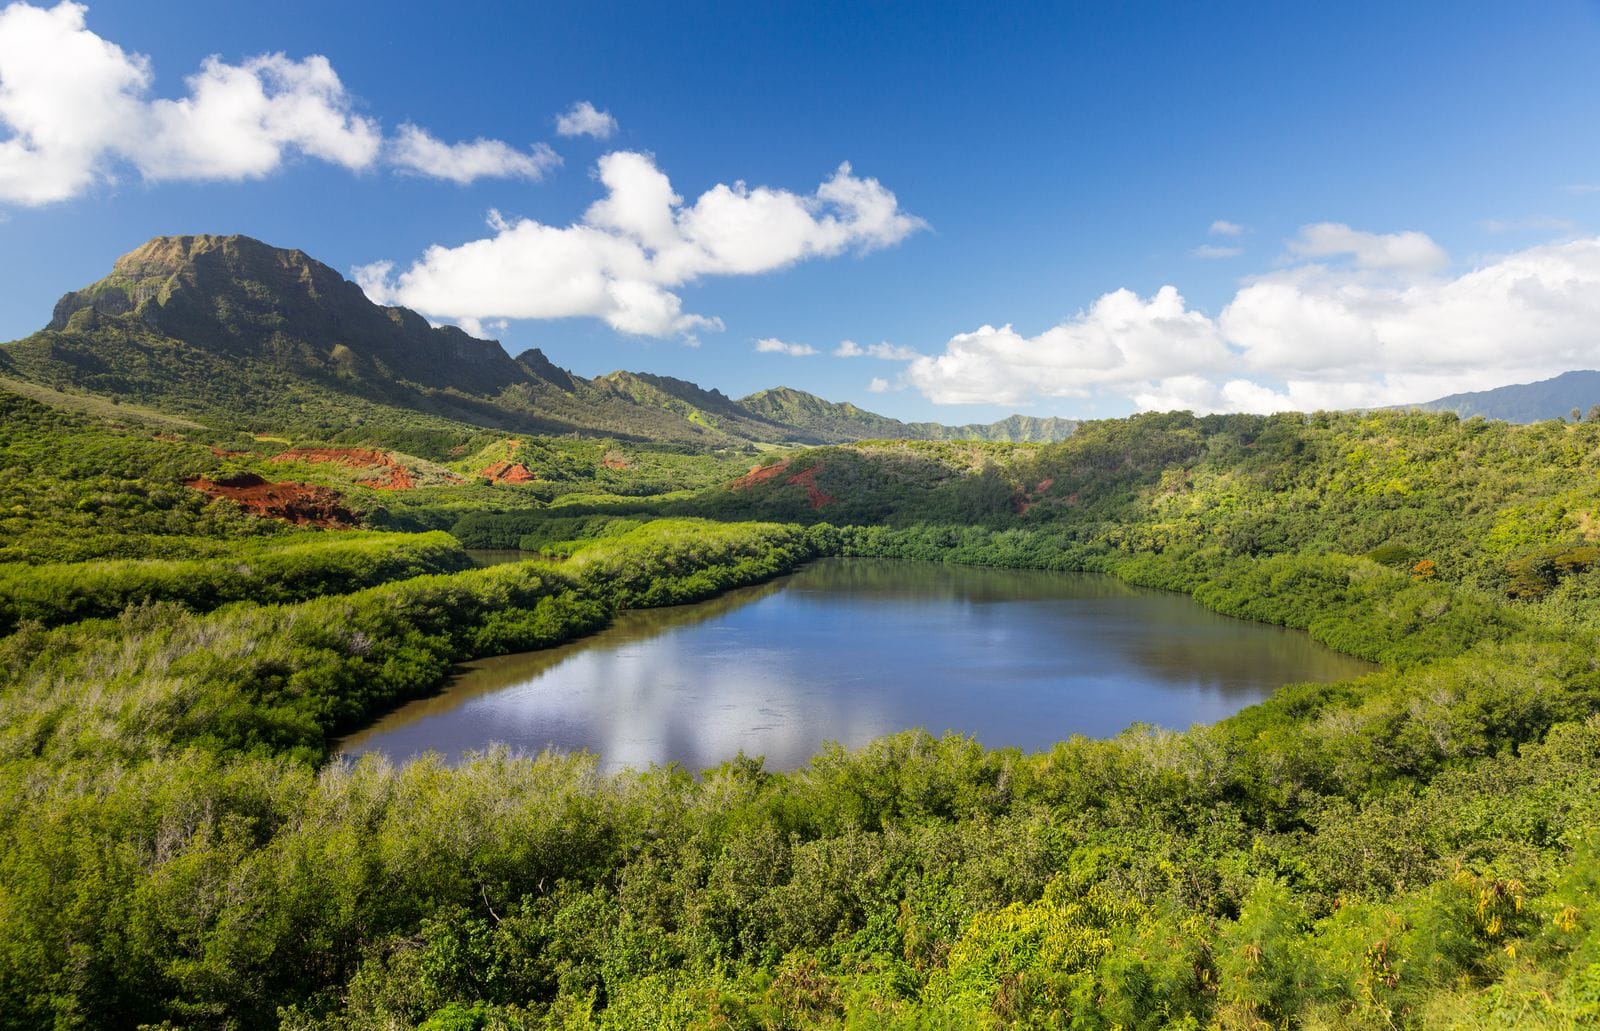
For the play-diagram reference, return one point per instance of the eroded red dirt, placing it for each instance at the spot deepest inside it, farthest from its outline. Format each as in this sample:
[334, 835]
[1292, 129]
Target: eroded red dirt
[391, 474]
[614, 462]
[298, 503]
[759, 474]
[1026, 499]
[508, 472]
[808, 479]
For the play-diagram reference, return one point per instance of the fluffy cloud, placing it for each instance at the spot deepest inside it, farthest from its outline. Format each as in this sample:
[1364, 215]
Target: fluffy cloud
[483, 330]
[884, 352]
[772, 345]
[77, 110]
[1413, 250]
[75, 103]
[879, 385]
[1380, 327]
[585, 120]
[1222, 227]
[415, 151]
[1121, 339]
[636, 245]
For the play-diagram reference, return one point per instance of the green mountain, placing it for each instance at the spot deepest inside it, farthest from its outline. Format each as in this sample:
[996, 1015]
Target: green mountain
[844, 421]
[1525, 402]
[244, 336]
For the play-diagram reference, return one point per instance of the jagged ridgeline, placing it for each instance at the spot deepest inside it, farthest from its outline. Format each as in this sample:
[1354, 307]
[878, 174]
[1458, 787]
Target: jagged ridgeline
[245, 336]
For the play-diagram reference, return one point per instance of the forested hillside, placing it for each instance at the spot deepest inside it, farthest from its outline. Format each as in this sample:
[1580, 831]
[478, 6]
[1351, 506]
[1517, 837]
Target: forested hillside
[1416, 848]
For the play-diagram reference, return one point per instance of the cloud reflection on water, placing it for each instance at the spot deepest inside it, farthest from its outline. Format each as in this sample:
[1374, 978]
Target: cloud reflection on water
[850, 650]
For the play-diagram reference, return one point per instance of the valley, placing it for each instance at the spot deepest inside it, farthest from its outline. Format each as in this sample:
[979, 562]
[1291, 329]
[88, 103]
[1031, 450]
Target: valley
[236, 507]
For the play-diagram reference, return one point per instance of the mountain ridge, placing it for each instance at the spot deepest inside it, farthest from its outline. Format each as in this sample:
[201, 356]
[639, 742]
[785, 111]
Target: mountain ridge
[1552, 398]
[251, 336]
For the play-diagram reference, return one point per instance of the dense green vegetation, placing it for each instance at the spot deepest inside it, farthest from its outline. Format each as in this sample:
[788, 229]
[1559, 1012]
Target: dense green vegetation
[72, 488]
[1417, 848]
[261, 571]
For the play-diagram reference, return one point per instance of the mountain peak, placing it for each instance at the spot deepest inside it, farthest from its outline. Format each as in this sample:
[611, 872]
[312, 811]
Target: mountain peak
[240, 298]
[149, 278]
[173, 253]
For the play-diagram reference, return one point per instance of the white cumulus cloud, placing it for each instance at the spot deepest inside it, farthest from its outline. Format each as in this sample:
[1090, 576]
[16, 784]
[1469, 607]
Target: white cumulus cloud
[1222, 227]
[623, 261]
[75, 104]
[75, 109]
[1382, 326]
[885, 352]
[878, 385]
[772, 345]
[414, 150]
[585, 120]
[1122, 338]
[483, 330]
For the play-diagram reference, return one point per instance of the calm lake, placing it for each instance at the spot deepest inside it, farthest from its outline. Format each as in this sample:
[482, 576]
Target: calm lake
[850, 649]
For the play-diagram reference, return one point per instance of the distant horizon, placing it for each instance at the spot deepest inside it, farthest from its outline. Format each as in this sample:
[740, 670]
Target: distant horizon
[949, 218]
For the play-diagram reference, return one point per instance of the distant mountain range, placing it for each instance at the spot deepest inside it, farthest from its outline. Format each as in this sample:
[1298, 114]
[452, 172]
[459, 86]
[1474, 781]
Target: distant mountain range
[1525, 402]
[242, 335]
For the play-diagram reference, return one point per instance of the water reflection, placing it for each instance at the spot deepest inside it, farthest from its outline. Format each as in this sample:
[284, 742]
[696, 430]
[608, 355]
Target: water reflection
[848, 650]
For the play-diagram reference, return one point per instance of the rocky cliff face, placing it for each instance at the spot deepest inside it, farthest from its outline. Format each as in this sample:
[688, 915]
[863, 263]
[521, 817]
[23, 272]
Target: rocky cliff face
[241, 297]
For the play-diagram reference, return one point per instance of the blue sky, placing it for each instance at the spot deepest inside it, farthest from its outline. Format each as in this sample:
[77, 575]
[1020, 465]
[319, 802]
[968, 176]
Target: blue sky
[1347, 204]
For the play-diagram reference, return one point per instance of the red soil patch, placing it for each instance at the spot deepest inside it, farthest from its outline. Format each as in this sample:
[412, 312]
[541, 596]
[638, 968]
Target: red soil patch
[614, 463]
[397, 478]
[391, 474]
[759, 474]
[293, 502]
[354, 457]
[808, 480]
[508, 472]
[1026, 499]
